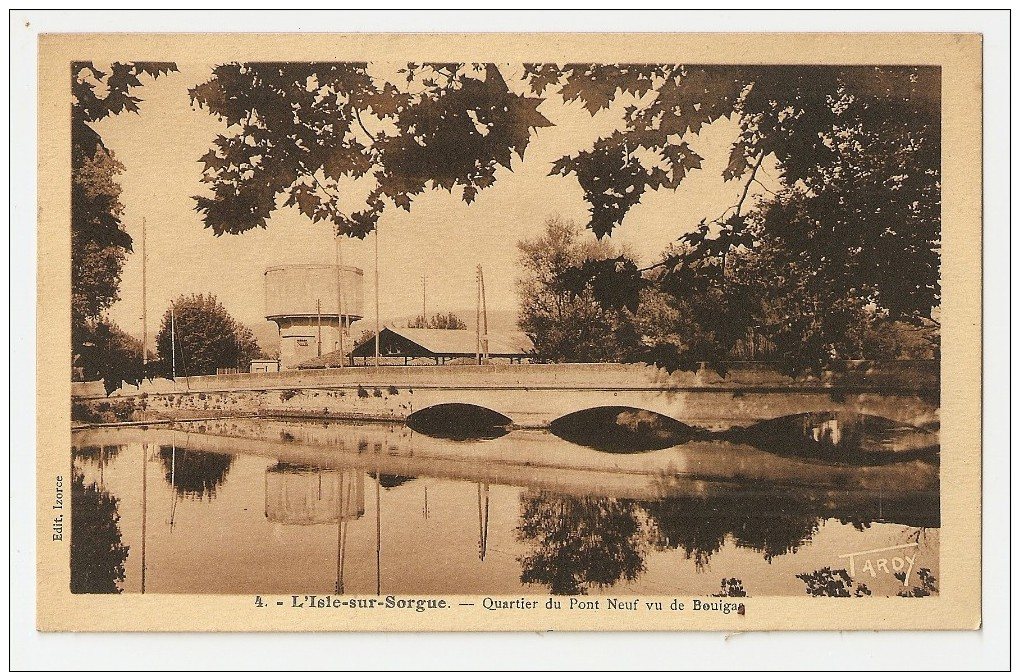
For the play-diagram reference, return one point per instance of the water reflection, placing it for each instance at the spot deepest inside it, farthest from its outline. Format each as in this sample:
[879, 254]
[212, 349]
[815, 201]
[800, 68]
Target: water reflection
[828, 582]
[769, 523]
[100, 455]
[579, 543]
[390, 481]
[301, 495]
[832, 437]
[524, 513]
[97, 550]
[583, 542]
[621, 429]
[848, 438]
[194, 473]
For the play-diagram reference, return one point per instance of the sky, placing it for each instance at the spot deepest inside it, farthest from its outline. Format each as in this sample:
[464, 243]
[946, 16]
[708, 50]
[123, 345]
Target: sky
[441, 237]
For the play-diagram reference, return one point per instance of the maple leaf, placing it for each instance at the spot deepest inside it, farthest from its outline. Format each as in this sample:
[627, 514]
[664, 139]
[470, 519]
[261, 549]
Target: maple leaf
[738, 163]
[305, 198]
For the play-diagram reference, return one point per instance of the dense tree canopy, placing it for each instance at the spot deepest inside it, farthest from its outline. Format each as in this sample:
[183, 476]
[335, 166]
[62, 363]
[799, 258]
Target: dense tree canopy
[855, 227]
[564, 325]
[98, 239]
[199, 333]
[111, 355]
[304, 131]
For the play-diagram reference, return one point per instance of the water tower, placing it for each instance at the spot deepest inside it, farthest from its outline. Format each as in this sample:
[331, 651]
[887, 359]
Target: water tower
[309, 302]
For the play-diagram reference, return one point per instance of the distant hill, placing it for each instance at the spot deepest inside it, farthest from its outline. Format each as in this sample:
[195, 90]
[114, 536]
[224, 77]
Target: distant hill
[267, 334]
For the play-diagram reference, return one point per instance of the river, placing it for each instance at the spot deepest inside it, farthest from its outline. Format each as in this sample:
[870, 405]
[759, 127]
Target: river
[246, 506]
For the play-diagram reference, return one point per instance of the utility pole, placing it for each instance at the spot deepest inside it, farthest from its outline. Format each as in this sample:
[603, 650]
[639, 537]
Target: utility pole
[173, 347]
[377, 294]
[340, 295]
[423, 315]
[145, 324]
[485, 319]
[478, 315]
[318, 317]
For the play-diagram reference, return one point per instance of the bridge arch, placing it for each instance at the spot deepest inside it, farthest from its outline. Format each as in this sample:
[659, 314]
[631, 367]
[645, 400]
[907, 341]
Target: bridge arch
[457, 420]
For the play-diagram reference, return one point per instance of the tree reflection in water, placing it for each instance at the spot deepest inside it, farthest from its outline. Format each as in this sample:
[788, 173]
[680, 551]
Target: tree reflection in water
[390, 481]
[773, 524]
[194, 473]
[101, 455]
[584, 542]
[97, 552]
[580, 542]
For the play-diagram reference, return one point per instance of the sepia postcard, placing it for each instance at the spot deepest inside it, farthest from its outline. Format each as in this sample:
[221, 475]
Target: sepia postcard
[394, 332]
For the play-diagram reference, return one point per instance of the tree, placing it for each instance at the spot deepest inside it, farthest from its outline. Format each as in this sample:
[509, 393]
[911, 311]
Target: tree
[205, 337]
[110, 354]
[857, 220]
[99, 242]
[438, 321]
[307, 131]
[564, 325]
[858, 147]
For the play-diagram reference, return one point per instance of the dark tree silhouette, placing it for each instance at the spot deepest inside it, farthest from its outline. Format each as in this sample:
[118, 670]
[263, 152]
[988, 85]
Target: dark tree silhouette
[110, 354]
[195, 473]
[205, 337]
[771, 523]
[97, 552]
[855, 226]
[564, 320]
[828, 582]
[733, 587]
[299, 129]
[101, 455]
[580, 542]
[927, 587]
[98, 239]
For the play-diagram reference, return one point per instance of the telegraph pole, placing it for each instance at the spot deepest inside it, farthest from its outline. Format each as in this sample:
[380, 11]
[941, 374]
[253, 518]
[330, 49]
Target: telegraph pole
[423, 315]
[173, 346]
[340, 295]
[478, 315]
[485, 318]
[145, 327]
[318, 317]
[377, 294]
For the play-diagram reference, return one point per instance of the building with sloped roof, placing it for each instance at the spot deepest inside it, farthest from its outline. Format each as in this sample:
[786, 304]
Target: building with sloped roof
[429, 346]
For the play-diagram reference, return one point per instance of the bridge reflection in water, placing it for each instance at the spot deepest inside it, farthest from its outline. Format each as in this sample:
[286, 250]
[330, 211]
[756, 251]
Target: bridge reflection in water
[280, 507]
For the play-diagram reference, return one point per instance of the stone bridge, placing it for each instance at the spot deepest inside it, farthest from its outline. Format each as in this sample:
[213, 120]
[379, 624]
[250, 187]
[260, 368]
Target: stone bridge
[533, 395]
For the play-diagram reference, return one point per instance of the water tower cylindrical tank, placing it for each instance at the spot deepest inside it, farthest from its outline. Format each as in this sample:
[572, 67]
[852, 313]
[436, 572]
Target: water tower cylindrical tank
[307, 302]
